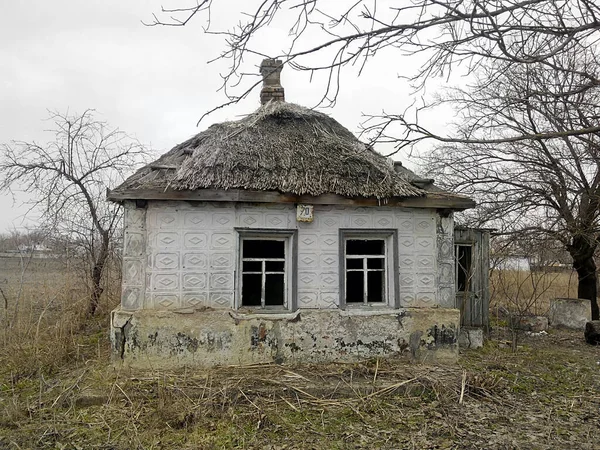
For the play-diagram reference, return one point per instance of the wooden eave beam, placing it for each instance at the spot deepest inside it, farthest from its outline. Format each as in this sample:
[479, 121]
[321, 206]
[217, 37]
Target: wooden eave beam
[431, 200]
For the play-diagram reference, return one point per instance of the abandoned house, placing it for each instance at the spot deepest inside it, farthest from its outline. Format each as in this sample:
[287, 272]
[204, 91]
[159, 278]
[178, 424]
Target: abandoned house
[281, 237]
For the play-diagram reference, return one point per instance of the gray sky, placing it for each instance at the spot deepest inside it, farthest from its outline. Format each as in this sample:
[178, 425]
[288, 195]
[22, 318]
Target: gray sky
[152, 82]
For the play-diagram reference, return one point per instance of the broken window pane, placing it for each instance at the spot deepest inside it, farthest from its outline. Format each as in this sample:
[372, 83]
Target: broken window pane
[375, 286]
[274, 290]
[263, 248]
[375, 263]
[275, 266]
[252, 266]
[251, 289]
[365, 247]
[352, 263]
[355, 287]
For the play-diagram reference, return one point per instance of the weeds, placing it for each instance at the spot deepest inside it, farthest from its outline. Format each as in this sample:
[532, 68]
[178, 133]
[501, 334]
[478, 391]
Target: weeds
[58, 391]
[528, 292]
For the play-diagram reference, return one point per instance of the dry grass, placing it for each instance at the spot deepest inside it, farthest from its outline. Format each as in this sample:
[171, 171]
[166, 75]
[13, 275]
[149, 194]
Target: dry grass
[41, 329]
[58, 391]
[544, 396]
[525, 293]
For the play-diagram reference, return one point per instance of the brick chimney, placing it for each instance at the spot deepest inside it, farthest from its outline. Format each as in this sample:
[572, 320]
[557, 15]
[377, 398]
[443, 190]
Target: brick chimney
[270, 69]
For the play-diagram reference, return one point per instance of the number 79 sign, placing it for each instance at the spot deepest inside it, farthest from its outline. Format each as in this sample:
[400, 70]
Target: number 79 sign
[304, 213]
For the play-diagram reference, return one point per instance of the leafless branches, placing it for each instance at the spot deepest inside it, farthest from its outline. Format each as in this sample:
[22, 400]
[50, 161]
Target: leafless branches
[69, 177]
[539, 187]
[443, 35]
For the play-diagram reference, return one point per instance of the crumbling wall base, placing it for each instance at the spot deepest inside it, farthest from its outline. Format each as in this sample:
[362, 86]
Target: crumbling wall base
[159, 339]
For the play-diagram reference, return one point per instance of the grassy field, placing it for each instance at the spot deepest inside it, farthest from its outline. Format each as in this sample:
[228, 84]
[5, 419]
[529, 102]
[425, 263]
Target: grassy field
[529, 292]
[59, 391]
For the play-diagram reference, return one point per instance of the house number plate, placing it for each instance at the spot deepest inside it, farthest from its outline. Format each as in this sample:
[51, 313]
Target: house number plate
[304, 213]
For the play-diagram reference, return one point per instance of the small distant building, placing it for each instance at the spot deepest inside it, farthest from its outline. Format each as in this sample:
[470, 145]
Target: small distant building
[518, 263]
[281, 237]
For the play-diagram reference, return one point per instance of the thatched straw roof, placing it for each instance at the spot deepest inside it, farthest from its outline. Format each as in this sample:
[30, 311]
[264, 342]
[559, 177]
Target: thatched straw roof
[280, 147]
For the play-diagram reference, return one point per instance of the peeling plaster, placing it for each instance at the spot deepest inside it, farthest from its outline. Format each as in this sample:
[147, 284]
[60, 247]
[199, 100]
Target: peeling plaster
[209, 338]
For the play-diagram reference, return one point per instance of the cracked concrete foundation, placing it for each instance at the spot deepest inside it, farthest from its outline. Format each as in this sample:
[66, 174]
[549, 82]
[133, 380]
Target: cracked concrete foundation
[470, 337]
[205, 338]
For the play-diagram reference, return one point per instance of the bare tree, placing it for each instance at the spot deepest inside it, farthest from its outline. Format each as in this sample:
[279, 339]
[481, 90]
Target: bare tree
[329, 37]
[69, 177]
[545, 189]
[527, 142]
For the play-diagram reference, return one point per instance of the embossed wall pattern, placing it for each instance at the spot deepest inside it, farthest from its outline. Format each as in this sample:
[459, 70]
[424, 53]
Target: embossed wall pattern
[134, 257]
[188, 258]
[445, 272]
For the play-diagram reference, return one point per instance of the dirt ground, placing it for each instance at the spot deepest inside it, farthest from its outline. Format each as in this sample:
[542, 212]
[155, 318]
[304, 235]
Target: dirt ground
[546, 395]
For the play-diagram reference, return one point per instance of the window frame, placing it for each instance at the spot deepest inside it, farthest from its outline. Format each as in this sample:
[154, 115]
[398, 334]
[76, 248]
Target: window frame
[391, 280]
[290, 268]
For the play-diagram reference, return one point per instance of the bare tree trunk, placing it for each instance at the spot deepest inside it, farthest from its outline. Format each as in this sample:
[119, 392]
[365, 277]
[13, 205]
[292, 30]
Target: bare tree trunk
[583, 262]
[97, 272]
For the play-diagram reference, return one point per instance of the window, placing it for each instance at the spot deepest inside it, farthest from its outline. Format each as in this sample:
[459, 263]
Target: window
[265, 272]
[463, 255]
[367, 268]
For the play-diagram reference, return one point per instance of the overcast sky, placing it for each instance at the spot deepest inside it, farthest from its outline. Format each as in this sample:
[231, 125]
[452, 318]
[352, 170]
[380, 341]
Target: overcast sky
[152, 82]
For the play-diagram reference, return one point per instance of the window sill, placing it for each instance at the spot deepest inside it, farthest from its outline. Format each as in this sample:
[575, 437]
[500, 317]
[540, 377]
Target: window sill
[240, 314]
[369, 311]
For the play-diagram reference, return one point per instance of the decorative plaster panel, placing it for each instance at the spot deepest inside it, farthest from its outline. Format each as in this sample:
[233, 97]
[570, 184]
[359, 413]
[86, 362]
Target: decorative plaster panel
[424, 245]
[222, 220]
[192, 254]
[404, 224]
[307, 280]
[167, 240]
[221, 241]
[194, 281]
[135, 218]
[329, 261]
[329, 280]
[166, 301]
[134, 244]
[308, 261]
[407, 299]
[167, 220]
[309, 241]
[195, 300]
[445, 261]
[328, 242]
[134, 257]
[196, 219]
[385, 221]
[407, 244]
[133, 272]
[194, 260]
[166, 261]
[328, 222]
[329, 299]
[165, 281]
[361, 221]
[131, 298]
[221, 281]
[307, 299]
[253, 220]
[221, 299]
[425, 299]
[220, 261]
[195, 240]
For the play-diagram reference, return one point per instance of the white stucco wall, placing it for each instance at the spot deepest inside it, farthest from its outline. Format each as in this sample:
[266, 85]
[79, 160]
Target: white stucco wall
[183, 255]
